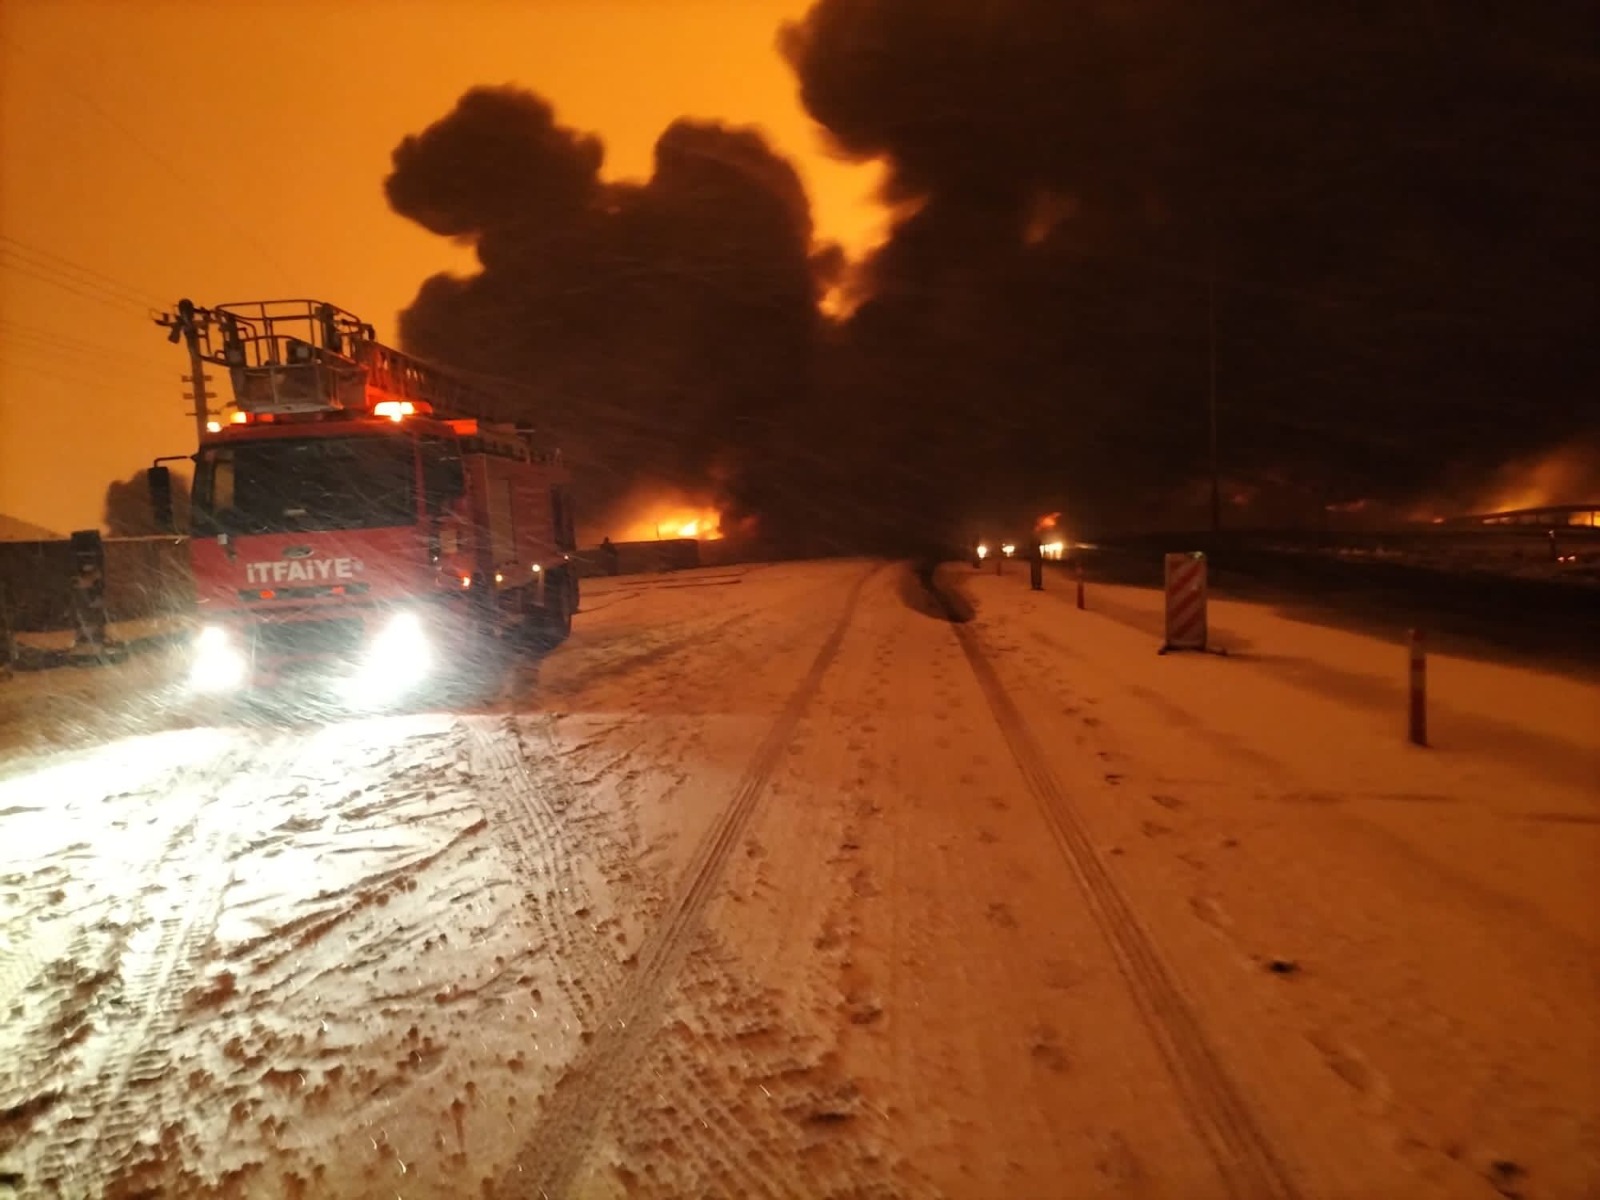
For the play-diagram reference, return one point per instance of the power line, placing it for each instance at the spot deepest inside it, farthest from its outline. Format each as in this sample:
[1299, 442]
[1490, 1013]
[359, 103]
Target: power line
[22, 337]
[88, 364]
[61, 80]
[48, 259]
[67, 284]
[40, 333]
[77, 381]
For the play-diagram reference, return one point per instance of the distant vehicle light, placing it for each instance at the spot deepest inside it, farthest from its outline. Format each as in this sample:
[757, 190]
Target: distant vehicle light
[536, 568]
[213, 426]
[983, 551]
[499, 578]
[1008, 549]
[239, 419]
[395, 410]
[466, 582]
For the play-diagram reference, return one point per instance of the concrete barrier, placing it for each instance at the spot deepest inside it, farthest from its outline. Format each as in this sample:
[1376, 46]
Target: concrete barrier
[640, 558]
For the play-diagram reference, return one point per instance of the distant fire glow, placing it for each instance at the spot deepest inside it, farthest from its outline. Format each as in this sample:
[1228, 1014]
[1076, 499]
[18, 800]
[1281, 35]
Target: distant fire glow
[706, 525]
[1569, 475]
[663, 515]
[1052, 540]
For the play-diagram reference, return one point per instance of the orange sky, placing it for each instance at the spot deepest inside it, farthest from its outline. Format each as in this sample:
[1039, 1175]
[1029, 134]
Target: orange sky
[237, 151]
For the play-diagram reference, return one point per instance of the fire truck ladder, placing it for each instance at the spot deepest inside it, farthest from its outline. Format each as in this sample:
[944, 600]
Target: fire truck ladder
[300, 356]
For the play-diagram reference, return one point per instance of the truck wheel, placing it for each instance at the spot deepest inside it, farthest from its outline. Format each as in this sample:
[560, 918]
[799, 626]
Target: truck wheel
[549, 626]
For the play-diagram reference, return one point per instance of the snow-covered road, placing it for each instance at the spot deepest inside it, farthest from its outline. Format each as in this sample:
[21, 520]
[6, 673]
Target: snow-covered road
[774, 882]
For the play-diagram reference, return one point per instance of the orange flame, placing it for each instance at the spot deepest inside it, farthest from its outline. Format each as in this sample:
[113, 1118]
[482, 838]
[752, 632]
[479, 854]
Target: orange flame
[660, 514]
[705, 524]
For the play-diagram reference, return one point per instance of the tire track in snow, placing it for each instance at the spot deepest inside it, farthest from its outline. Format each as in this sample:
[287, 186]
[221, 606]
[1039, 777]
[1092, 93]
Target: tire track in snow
[20, 965]
[531, 828]
[533, 807]
[32, 948]
[685, 634]
[556, 1148]
[1244, 1157]
[87, 965]
[606, 660]
[157, 980]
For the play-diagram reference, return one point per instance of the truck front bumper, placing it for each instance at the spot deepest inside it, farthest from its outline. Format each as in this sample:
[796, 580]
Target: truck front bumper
[366, 659]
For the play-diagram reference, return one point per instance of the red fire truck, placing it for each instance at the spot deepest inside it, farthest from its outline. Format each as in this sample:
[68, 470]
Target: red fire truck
[359, 514]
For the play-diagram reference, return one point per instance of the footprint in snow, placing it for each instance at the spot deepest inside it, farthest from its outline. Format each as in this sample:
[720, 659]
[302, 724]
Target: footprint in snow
[1350, 1065]
[1117, 1161]
[1209, 911]
[1001, 915]
[1047, 1051]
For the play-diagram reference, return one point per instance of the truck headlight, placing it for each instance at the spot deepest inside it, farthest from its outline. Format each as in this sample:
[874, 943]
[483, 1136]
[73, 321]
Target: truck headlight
[398, 657]
[218, 664]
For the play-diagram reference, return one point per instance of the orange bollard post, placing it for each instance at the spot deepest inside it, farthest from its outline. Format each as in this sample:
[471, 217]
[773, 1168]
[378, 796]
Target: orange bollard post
[1419, 689]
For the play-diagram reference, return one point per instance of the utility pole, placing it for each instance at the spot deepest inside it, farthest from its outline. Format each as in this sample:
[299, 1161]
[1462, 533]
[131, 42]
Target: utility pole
[186, 325]
[1211, 340]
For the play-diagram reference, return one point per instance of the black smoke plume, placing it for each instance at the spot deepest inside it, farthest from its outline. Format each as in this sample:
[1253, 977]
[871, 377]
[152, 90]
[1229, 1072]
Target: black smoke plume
[1384, 212]
[663, 332]
[1388, 201]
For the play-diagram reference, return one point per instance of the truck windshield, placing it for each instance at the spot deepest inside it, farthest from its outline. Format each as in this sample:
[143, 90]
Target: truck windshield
[283, 485]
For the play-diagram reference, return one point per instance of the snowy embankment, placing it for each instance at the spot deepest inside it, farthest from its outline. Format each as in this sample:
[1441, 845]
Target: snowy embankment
[1437, 905]
[772, 882]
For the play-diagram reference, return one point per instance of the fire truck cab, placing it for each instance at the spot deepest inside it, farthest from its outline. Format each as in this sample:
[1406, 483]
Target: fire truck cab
[362, 516]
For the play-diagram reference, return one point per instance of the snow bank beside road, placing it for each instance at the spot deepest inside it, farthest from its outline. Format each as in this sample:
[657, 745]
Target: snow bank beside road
[1437, 905]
